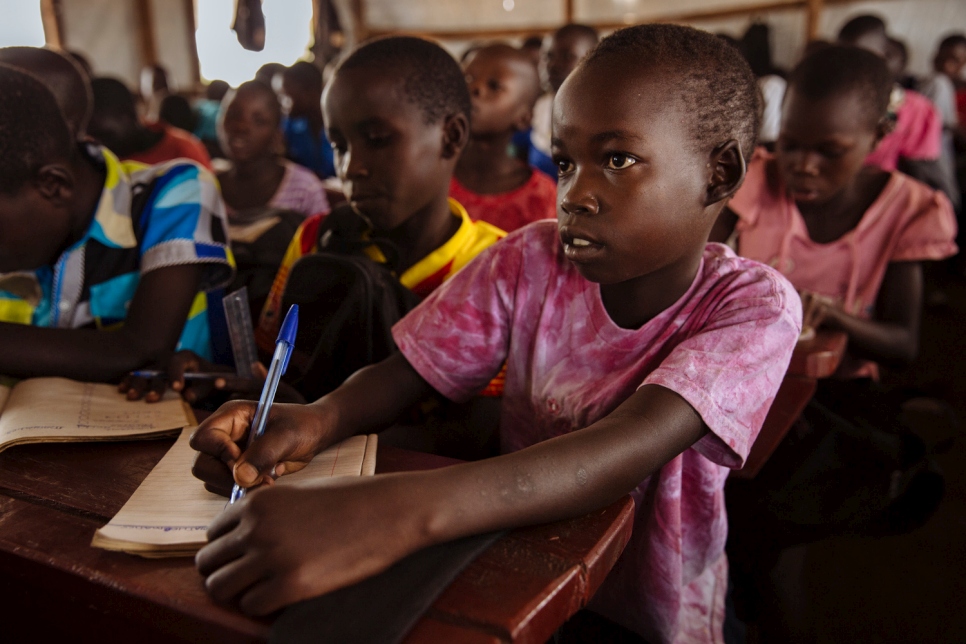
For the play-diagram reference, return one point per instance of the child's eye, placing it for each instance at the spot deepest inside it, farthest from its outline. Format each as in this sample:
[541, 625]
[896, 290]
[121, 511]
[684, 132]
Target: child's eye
[378, 140]
[620, 161]
[563, 165]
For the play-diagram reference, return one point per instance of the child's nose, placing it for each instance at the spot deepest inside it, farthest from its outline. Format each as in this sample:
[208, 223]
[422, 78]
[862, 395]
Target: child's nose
[578, 196]
[807, 163]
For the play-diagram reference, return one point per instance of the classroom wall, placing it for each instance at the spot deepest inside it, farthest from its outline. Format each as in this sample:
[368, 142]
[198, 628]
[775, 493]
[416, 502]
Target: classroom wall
[921, 23]
[107, 32]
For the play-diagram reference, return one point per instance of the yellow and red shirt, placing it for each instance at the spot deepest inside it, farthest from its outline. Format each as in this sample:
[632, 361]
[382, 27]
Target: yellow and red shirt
[422, 278]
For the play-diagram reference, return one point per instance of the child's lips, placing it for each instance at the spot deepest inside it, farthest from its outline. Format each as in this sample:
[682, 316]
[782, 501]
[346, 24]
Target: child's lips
[579, 247]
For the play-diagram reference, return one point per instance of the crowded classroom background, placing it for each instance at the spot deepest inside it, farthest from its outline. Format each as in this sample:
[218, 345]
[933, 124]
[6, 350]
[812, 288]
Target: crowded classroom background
[706, 259]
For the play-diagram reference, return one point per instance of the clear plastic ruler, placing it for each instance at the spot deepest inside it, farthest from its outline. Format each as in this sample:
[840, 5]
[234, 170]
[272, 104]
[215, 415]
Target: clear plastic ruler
[240, 331]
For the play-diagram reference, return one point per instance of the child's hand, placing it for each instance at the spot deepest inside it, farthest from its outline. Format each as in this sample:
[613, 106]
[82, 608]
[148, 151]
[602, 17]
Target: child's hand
[281, 545]
[815, 309]
[295, 433]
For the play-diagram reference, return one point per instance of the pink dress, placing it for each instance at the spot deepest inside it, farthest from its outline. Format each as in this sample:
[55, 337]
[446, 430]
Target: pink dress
[723, 346]
[534, 200]
[907, 222]
[917, 135]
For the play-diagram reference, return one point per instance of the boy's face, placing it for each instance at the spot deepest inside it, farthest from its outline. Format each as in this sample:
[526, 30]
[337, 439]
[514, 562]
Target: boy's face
[565, 52]
[632, 191]
[822, 144]
[392, 163]
[249, 125]
[500, 89]
[32, 230]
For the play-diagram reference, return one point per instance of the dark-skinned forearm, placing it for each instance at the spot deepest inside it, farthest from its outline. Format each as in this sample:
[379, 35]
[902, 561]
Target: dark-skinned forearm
[82, 354]
[560, 478]
[884, 342]
[372, 398]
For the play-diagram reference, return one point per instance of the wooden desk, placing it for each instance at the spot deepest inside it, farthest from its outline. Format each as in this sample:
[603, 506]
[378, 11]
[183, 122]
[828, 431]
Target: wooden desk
[818, 358]
[53, 497]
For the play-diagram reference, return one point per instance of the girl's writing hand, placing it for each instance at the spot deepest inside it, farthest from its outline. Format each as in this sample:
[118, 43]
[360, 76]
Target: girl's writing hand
[295, 433]
[281, 545]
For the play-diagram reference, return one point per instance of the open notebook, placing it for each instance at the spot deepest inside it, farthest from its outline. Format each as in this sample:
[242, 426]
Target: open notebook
[168, 515]
[41, 410]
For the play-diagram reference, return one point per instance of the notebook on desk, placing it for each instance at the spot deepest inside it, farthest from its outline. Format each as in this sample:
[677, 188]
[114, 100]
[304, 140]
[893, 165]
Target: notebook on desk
[169, 514]
[42, 410]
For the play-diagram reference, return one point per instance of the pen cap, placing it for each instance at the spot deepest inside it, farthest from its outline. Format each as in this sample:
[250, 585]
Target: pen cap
[288, 332]
[290, 326]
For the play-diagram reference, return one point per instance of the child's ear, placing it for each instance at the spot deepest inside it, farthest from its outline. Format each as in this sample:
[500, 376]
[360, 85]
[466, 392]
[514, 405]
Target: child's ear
[727, 165]
[55, 182]
[456, 132]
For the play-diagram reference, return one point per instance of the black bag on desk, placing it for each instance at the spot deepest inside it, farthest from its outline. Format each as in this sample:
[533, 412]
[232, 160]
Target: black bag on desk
[348, 304]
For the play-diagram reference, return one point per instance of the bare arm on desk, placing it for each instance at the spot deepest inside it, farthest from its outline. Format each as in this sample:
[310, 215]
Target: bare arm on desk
[150, 333]
[281, 545]
[891, 337]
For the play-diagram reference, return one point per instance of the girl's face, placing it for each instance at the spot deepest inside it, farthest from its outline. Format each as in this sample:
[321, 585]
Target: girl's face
[391, 162]
[823, 144]
[632, 190]
[249, 125]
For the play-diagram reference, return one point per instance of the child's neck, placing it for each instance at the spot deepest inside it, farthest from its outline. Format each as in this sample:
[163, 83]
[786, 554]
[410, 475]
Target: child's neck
[832, 219]
[88, 186]
[486, 167]
[633, 303]
[424, 232]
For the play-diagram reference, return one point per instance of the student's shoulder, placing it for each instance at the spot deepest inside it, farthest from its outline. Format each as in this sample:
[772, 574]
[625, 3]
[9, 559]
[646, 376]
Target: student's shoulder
[727, 275]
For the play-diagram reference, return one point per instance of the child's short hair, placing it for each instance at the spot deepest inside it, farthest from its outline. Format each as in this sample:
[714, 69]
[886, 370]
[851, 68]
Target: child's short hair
[947, 44]
[578, 31]
[431, 78]
[112, 99]
[66, 80]
[840, 69]
[713, 79]
[852, 31]
[32, 129]
[305, 75]
[260, 87]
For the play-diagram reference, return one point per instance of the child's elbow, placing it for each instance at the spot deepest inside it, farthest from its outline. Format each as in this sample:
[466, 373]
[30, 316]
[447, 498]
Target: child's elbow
[906, 353]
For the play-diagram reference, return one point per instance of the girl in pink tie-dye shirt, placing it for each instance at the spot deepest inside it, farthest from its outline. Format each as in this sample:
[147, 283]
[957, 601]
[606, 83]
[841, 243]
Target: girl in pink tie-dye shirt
[640, 359]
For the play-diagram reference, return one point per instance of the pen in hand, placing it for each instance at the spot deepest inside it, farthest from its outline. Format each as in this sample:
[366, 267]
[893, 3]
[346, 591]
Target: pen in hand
[283, 351]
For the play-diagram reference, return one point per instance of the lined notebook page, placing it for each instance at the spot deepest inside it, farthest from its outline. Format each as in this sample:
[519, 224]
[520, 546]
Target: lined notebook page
[169, 513]
[58, 409]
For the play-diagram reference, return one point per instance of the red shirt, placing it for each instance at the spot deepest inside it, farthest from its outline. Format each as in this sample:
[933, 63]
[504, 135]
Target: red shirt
[534, 200]
[176, 144]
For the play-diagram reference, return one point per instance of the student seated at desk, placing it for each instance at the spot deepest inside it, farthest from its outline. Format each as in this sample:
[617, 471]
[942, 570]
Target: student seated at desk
[493, 185]
[640, 359]
[110, 247]
[396, 163]
[849, 236]
[250, 133]
[115, 123]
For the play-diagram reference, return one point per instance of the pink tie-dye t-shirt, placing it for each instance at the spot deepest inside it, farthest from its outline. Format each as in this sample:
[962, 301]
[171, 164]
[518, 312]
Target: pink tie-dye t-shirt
[723, 346]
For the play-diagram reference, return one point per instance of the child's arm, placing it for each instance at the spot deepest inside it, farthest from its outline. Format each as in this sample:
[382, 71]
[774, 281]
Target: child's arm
[149, 334]
[892, 337]
[282, 545]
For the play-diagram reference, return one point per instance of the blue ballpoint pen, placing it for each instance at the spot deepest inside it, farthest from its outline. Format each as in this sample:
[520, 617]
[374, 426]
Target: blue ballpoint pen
[283, 351]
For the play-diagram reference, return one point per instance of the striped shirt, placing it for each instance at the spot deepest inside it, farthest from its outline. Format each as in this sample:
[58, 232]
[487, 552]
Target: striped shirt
[148, 217]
